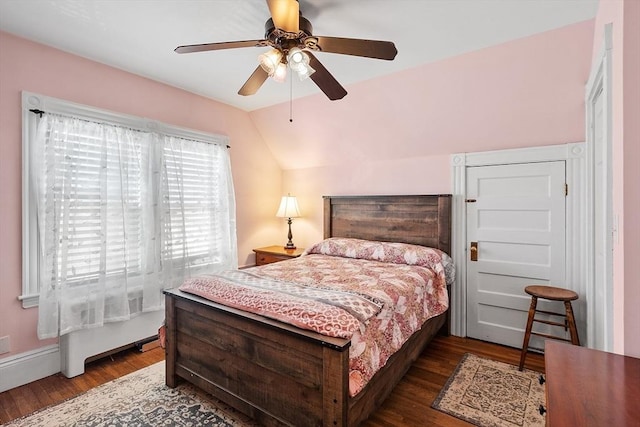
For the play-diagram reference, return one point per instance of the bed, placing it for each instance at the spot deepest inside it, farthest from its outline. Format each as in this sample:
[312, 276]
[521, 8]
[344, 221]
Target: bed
[280, 374]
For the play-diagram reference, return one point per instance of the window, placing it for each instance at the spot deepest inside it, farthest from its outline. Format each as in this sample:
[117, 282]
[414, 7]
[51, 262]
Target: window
[191, 212]
[116, 209]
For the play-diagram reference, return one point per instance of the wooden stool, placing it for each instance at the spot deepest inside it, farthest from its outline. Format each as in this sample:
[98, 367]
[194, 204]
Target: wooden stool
[554, 294]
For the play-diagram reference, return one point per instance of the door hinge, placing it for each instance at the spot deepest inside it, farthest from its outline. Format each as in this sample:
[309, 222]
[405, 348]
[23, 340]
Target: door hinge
[566, 189]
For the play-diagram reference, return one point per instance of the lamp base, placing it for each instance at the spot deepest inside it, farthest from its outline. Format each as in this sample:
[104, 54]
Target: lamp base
[289, 244]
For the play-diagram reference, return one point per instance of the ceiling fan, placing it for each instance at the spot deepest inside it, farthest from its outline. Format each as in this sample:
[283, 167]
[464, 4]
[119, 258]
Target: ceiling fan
[290, 35]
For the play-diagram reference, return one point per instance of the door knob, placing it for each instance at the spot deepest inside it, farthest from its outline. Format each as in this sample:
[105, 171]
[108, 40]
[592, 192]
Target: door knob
[474, 251]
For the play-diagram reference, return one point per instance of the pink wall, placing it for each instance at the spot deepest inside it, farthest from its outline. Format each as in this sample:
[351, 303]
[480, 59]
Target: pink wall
[625, 17]
[33, 67]
[410, 175]
[522, 93]
[394, 134]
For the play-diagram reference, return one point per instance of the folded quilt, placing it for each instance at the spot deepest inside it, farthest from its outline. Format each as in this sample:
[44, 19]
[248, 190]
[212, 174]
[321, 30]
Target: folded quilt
[328, 311]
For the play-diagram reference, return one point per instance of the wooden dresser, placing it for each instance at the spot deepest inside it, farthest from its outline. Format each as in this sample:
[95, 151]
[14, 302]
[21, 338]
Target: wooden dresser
[270, 254]
[590, 388]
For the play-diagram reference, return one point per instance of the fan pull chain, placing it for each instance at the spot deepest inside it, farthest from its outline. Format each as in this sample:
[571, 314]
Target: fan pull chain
[290, 98]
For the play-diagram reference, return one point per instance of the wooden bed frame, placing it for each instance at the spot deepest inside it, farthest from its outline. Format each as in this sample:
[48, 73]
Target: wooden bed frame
[279, 374]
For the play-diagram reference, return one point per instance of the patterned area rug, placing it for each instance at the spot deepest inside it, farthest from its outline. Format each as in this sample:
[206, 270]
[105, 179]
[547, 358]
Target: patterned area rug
[139, 399]
[489, 393]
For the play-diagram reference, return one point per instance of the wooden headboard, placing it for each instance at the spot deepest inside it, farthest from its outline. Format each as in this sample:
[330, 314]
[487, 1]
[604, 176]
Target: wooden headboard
[420, 220]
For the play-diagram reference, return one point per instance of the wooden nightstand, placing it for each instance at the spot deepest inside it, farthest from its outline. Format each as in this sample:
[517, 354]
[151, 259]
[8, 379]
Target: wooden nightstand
[270, 254]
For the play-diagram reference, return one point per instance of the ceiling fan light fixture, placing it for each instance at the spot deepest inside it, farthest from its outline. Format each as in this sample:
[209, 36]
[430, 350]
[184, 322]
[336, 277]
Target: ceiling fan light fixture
[299, 62]
[270, 61]
[304, 71]
[280, 73]
[296, 57]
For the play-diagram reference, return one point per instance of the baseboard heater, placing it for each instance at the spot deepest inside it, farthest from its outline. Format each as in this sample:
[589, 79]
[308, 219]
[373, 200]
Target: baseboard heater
[78, 346]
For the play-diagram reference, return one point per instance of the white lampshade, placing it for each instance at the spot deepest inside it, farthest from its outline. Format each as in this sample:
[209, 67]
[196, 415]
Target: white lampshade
[280, 74]
[269, 61]
[296, 56]
[299, 62]
[288, 207]
[304, 72]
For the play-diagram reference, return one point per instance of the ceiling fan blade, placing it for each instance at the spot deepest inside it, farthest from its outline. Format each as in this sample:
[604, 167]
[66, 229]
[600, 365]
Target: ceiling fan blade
[219, 46]
[285, 14]
[357, 47]
[324, 80]
[254, 82]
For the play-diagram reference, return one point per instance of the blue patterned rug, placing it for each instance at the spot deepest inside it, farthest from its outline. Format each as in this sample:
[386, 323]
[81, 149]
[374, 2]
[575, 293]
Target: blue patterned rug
[139, 399]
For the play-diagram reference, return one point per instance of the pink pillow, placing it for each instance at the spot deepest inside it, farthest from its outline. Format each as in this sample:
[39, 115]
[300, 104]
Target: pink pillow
[397, 253]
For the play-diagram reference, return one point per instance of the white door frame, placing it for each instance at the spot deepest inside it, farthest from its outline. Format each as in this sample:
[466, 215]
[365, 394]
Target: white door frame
[574, 156]
[600, 308]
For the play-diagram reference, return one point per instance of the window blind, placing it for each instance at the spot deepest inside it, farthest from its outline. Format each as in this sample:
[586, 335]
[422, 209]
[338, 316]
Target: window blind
[98, 174]
[192, 203]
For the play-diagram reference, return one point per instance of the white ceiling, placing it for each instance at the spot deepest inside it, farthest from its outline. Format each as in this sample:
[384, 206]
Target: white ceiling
[139, 35]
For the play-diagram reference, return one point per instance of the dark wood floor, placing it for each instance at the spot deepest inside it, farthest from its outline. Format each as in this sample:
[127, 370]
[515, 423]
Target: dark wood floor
[408, 405]
[410, 402]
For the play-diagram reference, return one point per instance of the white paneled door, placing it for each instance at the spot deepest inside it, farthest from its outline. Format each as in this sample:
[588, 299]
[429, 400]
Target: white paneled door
[515, 237]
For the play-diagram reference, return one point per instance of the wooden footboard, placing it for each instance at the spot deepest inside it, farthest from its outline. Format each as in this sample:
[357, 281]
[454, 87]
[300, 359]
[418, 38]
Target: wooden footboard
[277, 374]
[273, 372]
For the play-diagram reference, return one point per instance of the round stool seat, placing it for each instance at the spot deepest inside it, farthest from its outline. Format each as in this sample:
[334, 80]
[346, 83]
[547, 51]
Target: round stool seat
[551, 293]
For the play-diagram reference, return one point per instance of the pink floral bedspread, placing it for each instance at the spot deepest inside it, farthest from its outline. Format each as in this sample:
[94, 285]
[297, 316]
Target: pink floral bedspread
[377, 294]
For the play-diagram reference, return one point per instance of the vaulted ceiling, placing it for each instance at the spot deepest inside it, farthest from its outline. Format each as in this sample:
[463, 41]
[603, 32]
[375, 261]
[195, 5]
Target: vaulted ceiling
[140, 36]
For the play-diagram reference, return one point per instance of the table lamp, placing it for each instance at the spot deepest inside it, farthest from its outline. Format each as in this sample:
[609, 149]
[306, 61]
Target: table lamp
[289, 209]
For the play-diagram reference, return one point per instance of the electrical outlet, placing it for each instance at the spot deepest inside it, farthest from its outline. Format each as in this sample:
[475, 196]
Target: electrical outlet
[5, 346]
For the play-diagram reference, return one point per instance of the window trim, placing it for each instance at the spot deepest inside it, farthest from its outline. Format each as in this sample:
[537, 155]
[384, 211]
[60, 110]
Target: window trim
[32, 101]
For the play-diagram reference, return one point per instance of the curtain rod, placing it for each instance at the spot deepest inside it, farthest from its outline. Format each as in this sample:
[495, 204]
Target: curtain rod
[40, 113]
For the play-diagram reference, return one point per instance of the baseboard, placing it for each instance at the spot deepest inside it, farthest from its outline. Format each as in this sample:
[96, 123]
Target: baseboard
[29, 366]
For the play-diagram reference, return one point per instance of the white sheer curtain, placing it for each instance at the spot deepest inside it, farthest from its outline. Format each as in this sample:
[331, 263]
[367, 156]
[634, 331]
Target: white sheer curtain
[197, 214]
[122, 215]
